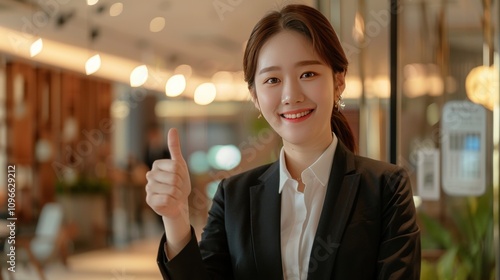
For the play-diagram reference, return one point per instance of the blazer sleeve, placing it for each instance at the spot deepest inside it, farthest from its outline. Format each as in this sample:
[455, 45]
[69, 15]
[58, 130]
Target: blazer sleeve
[208, 260]
[399, 252]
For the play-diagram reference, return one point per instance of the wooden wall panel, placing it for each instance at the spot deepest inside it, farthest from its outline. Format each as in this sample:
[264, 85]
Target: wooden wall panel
[46, 141]
[57, 113]
[21, 100]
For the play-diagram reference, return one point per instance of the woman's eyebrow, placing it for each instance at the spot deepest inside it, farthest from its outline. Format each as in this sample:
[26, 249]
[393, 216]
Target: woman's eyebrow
[267, 69]
[300, 63]
[308, 62]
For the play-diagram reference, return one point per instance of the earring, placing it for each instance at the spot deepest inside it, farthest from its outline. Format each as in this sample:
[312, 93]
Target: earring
[260, 116]
[340, 103]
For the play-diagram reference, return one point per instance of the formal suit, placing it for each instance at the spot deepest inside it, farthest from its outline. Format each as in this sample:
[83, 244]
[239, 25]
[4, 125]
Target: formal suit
[367, 228]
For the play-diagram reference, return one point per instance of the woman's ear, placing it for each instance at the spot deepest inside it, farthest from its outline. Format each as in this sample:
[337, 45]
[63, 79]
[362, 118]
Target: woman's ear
[256, 103]
[254, 99]
[340, 82]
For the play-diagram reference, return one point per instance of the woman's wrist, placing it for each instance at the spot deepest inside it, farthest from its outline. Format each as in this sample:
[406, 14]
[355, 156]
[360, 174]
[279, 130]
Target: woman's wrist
[178, 233]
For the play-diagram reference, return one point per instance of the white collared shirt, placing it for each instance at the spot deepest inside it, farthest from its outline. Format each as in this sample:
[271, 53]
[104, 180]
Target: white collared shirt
[300, 212]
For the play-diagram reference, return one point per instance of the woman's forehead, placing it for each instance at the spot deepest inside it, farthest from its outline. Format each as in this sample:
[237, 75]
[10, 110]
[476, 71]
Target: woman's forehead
[286, 47]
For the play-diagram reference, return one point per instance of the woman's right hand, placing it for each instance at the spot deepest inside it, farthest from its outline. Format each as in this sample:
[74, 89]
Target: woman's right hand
[167, 194]
[168, 183]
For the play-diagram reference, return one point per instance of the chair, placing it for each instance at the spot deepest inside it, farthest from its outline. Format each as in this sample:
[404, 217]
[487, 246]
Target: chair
[49, 240]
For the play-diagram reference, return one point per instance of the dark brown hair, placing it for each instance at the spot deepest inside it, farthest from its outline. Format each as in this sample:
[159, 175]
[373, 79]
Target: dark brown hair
[315, 27]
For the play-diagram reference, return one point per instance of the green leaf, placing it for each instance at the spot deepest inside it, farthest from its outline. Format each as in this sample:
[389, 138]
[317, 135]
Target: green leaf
[446, 264]
[428, 271]
[434, 233]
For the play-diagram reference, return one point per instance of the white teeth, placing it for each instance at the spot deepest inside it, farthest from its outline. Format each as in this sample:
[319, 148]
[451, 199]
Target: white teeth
[296, 116]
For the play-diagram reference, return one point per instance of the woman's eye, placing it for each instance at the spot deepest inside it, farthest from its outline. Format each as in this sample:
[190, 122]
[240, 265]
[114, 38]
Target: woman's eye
[272, 81]
[308, 75]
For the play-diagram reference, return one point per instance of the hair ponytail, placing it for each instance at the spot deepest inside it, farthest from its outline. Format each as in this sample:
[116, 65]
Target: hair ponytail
[342, 130]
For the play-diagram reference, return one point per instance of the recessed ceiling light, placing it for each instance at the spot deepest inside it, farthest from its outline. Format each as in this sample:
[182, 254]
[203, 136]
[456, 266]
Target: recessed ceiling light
[157, 24]
[139, 76]
[116, 9]
[205, 93]
[93, 64]
[36, 47]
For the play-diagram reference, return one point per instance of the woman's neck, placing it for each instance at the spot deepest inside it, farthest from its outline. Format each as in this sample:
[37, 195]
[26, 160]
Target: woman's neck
[298, 157]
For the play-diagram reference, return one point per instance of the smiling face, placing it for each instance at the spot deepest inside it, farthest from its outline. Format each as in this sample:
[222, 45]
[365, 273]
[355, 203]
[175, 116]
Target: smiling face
[294, 90]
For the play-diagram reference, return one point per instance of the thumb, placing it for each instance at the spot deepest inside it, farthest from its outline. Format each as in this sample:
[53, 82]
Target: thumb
[174, 145]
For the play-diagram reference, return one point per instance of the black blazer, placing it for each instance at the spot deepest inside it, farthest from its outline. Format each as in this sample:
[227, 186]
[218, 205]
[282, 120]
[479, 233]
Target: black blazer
[367, 228]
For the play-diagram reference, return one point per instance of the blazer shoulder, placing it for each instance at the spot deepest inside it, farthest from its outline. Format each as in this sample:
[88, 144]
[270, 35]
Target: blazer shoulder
[248, 178]
[378, 168]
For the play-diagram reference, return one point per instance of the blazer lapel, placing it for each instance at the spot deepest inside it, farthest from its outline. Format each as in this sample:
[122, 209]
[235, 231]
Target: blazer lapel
[265, 203]
[342, 189]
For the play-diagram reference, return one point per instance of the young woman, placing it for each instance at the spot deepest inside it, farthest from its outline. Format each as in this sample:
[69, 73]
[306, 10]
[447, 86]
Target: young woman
[320, 211]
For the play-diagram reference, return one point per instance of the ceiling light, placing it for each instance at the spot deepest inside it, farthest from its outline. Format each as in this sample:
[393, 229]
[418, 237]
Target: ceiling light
[92, 2]
[139, 76]
[175, 85]
[205, 94]
[93, 64]
[157, 24]
[116, 9]
[36, 47]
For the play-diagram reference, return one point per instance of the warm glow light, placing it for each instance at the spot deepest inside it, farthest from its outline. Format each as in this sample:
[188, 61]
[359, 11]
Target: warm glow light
[36, 47]
[93, 64]
[482, 86]
[224, 84]
[435, 84]
[185, 70]
[92, 2]
[422, 79]
[175, 85]
[379, 87]
[157, 24]
[116, 9]
[222, 77]
[353, 87]
[115, 68]
[139, 76]
[358, 30]
[120, 109]
[414, 84]
[205, 94]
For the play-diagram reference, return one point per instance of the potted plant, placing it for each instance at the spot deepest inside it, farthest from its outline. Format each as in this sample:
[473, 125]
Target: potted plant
[467, 242]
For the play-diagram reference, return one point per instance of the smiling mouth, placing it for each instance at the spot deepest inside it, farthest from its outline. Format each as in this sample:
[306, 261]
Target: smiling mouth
[296, 116]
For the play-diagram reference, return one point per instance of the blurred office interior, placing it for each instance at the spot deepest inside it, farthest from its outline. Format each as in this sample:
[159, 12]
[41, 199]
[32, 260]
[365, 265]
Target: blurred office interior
[88, 90]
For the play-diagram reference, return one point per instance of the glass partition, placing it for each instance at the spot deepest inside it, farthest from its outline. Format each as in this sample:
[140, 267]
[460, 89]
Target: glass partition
[442, 62]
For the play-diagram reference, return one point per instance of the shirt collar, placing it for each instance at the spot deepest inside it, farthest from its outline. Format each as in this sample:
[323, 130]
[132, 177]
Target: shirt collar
[320, 168]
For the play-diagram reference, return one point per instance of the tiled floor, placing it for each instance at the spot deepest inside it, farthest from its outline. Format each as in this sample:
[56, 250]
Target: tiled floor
[135, 262]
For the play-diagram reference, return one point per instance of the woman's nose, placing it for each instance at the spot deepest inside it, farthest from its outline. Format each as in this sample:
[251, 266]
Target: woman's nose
[292, 93]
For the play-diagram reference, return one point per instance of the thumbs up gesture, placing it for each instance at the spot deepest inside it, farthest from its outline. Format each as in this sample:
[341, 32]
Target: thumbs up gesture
[168, 183]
